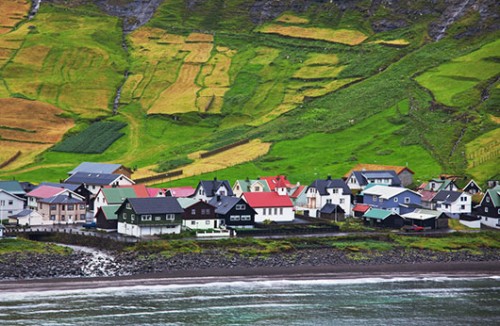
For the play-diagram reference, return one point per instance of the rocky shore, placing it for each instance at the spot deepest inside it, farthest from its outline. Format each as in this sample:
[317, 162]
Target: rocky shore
[84, 264]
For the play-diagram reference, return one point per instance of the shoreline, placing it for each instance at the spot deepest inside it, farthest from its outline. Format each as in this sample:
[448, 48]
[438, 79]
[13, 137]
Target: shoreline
[293, 273]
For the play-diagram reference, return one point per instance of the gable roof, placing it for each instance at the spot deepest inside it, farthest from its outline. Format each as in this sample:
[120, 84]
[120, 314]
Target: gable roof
[331, 208]
[266, 199]
[101, 179]
[386, 192]
[181, 191]
[223, 204]
[378, 167]
[109, 212]
[378, 214]
[323, 185]
[212, 186]
[61, 199]
[423, 214]
[186, 202]
[441, 184]
[427, 195]
[45, 191]
[277, 181]
[118, 195]
[246, 184]
[11, 195]
[494, 194]
[363, 177]
[472, 183]
[361, 208]
[14, 187]
[298, 191]
[447, 196]
[156, 205]
[68, 186]
[23, 213]
[93, 167]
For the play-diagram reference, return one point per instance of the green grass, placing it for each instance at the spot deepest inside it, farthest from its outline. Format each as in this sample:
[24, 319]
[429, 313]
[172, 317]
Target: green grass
[21, 246]
[453, 242]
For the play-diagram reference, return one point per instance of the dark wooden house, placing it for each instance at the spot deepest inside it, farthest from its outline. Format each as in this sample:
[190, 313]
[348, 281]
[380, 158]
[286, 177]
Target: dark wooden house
[331, 212]
[427, 218]
[383, 218]
[234, 211]
[106, 218]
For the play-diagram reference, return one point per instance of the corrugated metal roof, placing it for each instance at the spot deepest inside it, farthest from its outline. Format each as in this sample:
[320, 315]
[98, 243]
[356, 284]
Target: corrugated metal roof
[266, 199]
[14, 187]
[118, 195]
[93, 167]
[379, 214]
[386, 192]
[157, 205]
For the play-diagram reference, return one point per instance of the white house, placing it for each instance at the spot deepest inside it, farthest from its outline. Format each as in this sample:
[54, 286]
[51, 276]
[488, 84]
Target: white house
[9, 204]
[2, 228]
[95, 181]
[207, 190]
[270, 206]
[453, 203]
[241, 186]
[322, 192]
[26, 217]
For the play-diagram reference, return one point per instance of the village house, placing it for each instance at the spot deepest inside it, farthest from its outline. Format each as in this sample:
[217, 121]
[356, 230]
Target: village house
[358, 180]
[179, 192]
[404, 174]
[26, 217]
[93, 182]
[472, 188]
[453, 203]
[199, 215]
[206, 190]
[106, 218]
[13, 187]
[101, 168]
[278, 181]
[298, 195]
[140, 217]
[10, 204]
[397, 199]
[436, 185]
[383, 218]
[235, 212]
[117, 195]
[270, 206]
[44, 192]
[329, 191]
[489, 209]
[78, 189]
[332, 212]
[247, 185]
[427, 218]
[62, 209]
[360, 209]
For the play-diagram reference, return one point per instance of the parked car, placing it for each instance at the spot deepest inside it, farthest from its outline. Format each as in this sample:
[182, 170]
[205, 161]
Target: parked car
[412, 228]
[89, 225]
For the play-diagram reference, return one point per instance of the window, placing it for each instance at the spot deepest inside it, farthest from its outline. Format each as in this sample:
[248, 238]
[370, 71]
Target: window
[53, 207]
[257, 188]
[82, 206]
[407, 200]
[486, 209]
[52, 217]
[200, 192]
[63, 207]
[275, 211]
[205, 211]
[342, 200]
[462, 206]
[207, 222]
[281, 210]
[335, 191]
[193, 222]
[128, 205]
[463, 198]
[11, 202]
[263, 211]
[124, 215]
[193, 211]
[396, 199]
[374, 198]
[240, 207]
[328, 201]
[499, 211]
[237, 187]
[353, 180]
[63, 218]
[222, 193]
[132, 217]
[2, 202]
[234, 218]
[246, 218]
[71, 207]
[488, 199]
[157, 218]
[145, 217]
[82, 217]
[170, 217]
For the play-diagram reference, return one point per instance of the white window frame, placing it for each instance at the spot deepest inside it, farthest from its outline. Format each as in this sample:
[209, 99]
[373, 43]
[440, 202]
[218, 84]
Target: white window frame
[240, 207]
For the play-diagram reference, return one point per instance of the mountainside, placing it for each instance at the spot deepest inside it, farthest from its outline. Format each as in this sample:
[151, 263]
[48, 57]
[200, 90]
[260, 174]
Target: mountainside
[306, 88]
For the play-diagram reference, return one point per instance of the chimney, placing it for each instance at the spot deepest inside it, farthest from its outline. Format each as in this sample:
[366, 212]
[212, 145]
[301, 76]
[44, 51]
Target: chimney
[218, 198]
[215, 178]
[329, 177]
[247, 179]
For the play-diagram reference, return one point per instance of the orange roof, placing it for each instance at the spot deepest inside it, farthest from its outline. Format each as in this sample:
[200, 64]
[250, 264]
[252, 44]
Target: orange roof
[378, 167]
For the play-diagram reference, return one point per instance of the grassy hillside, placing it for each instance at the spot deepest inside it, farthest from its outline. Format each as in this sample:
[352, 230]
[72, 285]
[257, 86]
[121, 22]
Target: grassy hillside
[321, 85]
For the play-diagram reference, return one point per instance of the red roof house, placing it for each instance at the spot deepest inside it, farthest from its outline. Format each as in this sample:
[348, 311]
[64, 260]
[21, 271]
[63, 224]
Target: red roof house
[270, 206]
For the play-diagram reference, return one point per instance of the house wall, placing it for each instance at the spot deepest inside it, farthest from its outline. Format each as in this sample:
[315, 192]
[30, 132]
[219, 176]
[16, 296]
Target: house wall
[463, 205]
[32, 219]
[406, 178]
[9, 205]
[99, 201]
[393, 203]
[242, 217]
[103, 223]
[353, 183]
[316, 201]
[142, 231]
[491, 222]
[274, 214]
[58, 215]
[205, 224]
[487, 208]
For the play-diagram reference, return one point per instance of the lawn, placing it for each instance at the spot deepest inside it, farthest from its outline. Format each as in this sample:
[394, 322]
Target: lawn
[22, 246]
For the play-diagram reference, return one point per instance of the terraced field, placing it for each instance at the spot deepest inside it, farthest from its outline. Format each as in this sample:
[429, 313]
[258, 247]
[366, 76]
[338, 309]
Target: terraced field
[13, 12]
[343, 36]
[32, 135]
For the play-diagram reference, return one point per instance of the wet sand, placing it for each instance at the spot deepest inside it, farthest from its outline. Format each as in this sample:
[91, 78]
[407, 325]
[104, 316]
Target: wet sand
[203, 276]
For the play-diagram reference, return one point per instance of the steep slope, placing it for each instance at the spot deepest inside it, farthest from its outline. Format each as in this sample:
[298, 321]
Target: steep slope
[329, 83]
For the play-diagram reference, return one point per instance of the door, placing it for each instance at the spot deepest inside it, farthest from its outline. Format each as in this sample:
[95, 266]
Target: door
[215, 224]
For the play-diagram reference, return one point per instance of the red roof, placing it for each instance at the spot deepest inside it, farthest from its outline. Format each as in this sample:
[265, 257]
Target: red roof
[140, 190]
[277, 181]
[45, 191]
[361, 208]
[182, 191]
[266, 199]
[153, 192]
[297, 191]
[427, 195]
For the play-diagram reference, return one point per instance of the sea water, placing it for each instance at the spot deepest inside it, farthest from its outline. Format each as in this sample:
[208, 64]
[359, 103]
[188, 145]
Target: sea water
[369, 301]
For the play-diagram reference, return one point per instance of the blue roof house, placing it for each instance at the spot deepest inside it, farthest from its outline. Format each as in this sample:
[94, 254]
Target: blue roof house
[397, 199]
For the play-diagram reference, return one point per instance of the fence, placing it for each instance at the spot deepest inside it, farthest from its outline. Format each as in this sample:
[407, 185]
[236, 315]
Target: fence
[159, 177]
[287, 231]
[10, 160]
[224, 148]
